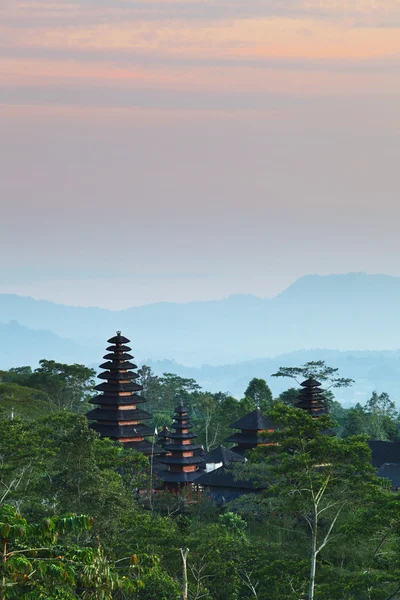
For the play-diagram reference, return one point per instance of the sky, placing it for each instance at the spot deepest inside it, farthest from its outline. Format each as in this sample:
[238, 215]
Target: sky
[182, 150]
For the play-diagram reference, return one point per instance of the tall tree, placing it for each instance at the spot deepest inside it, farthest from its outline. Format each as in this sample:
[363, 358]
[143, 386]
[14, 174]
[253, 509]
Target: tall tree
[317, 369]
[259, 391]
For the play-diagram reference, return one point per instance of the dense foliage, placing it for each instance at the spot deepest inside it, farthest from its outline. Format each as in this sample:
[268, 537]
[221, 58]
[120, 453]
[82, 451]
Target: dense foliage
[78, 518]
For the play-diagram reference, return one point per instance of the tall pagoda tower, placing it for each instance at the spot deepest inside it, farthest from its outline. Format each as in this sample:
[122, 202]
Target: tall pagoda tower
[311, 398]
[184, 464]
[251, 427]
[117, 415]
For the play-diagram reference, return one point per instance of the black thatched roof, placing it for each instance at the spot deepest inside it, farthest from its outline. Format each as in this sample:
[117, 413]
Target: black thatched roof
[254, 421]
[118, 387]
[117, 356]
[114, 399]
[222, 454]
[116, 364]
[384, 452]
[119, 375]
[181, 447]
[311, 398]
[391, 471]
[180, 410]
[102, 414]
[182, 460]
[145, 447]
[224, 477]
[116, 431]
[181, 477]
[118, 339]
[181, 436]
[164, 433]
[244, 438]
[187, 425]
[119, 348]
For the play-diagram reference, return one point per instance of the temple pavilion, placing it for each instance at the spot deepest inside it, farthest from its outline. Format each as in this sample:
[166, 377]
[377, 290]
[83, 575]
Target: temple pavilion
[117, 415]
[182, 457]
[251, 426]
[312, 399]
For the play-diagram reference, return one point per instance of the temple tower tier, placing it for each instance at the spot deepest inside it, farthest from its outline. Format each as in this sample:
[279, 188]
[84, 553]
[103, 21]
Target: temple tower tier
[312, 399]
[182, 459]
[117, 415]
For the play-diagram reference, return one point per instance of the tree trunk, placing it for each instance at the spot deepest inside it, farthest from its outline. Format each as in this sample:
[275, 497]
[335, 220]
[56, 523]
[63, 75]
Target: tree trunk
[313, 559]
[4, 560]
[184, 554]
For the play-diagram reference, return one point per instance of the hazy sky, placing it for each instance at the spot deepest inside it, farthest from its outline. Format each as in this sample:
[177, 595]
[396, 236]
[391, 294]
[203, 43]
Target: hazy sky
[190, 149]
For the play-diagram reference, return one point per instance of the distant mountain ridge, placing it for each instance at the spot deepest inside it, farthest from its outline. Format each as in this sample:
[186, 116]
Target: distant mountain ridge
[348, 312]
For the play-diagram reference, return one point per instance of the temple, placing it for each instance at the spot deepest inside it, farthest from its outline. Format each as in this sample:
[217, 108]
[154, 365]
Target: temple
[251, 426]
[177, 460]
[311, 398]
[182, 459]
[117, 416]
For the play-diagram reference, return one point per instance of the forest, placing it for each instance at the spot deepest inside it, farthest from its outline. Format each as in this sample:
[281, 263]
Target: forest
[79, 517]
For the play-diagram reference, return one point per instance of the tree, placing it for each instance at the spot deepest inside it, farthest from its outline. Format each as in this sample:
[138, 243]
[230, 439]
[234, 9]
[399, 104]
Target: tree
[382, 417]
[260, 393]
[315, 477]
[289, 397]
[355, 422]
[317, 369]
[36, 562]
[67, 386]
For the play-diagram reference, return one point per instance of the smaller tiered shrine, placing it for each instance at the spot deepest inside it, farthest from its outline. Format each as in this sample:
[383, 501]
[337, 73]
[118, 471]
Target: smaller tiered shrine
[182, 459]
[117, 415]
[312, 399]
[162, 438]
[251, 426]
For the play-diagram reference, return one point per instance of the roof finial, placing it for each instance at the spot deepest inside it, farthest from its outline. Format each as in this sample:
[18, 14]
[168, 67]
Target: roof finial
[118, 333]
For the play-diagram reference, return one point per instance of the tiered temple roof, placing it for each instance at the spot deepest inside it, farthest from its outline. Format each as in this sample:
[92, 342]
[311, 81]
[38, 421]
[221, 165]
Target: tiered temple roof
[182, 459]
[117, 415]
[222, 455]
[311, 398]
[163, 437]
[251, 426]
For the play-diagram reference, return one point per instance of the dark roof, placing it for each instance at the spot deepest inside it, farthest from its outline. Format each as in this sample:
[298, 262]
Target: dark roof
[116, 431]
[118, 339]
[243, 438]
[117, 356]
[181, 436]
[222, 454]
[180, 476]
[118, 387]
[311, 382]
[117, 375]
[254, 421]
[224, 477]
[182, 460]
[119, 349]
[181, 409]
[114, 399]
[311, 398]
[117, 364]
[187, 425]
[145, 447]
[164, 433]
[384, 452]
[106, 414]
[181, 447]
[390, 471]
